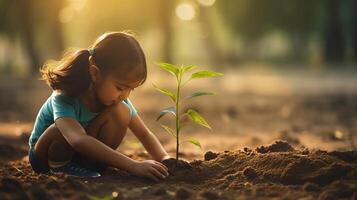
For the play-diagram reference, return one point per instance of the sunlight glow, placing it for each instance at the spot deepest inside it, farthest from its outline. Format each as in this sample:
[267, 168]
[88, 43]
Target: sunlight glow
[185, 11]
[206, 2]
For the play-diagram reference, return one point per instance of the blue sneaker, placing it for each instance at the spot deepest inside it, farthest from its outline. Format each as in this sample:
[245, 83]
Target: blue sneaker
[74, 169]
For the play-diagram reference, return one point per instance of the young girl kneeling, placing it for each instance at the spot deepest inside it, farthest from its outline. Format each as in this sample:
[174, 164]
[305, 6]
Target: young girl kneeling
[80, 126]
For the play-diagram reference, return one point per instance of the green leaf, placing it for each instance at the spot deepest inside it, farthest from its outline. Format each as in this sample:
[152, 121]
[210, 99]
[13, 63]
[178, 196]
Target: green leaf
[170, 68]
[166, 92]
[205, 74]
[196, 117]
[169, 130]
[196, 94]
[188, 68]
[166, 110]
[195, 142]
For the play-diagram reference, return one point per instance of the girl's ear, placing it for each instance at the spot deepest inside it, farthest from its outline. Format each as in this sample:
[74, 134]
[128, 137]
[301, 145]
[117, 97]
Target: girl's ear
[94, 72]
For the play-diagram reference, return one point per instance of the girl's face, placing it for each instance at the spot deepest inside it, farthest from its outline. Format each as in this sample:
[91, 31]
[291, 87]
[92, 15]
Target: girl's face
[111, 89]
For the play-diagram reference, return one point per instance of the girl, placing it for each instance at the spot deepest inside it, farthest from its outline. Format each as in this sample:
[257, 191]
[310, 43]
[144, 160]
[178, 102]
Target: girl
[80, 126]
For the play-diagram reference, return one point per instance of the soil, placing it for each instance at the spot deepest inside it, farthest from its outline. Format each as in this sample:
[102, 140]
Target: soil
[278, 170]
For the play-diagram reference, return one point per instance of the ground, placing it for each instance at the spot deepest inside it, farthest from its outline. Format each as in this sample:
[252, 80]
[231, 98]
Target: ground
[276, 135]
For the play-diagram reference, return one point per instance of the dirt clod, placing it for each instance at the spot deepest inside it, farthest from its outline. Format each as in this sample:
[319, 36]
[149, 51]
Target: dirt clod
[209, 155]
[278, 146]
[250, 173]
[172, 165]
[246, 149]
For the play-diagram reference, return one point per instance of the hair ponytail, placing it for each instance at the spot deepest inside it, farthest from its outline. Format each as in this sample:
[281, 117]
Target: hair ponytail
[70, 75]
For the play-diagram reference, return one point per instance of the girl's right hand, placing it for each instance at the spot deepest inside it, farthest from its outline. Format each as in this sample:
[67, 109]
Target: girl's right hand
[150, 169]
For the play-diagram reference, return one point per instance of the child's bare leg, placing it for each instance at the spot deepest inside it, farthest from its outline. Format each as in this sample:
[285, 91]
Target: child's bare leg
[52, 146]
[109, 127]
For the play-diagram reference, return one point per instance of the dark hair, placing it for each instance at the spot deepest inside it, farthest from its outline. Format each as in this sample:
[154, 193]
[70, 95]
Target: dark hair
[112, 51]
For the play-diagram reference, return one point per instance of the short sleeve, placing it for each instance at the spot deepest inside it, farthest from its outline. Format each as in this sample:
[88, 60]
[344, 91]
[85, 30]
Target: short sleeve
[133, 112]
[62, 106]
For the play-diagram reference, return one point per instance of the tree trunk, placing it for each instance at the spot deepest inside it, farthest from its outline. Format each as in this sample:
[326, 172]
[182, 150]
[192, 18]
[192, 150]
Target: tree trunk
[26, 33]
[165, 20]
[56, 26]
[354, 29]
[207, 28]
[334, 43]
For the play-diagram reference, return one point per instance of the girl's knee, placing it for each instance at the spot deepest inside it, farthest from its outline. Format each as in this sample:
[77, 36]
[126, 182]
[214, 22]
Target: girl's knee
[120, 112]
[50, 134]
[117, 114]
[59, 147]
[117, 121]
[60, 151]
[56, 134]
[52, 144]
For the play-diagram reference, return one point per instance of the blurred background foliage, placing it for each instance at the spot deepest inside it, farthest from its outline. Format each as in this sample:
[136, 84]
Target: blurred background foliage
[220, 33]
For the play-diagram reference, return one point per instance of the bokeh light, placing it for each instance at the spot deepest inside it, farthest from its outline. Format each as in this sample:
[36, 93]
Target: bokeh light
[185, 11]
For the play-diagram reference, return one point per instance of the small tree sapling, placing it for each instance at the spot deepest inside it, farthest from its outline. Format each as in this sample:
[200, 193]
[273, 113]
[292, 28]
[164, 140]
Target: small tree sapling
[175, 110]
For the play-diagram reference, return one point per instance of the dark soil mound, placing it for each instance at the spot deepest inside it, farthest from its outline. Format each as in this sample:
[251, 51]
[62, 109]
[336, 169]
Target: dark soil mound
[273, 171]
[277, 163]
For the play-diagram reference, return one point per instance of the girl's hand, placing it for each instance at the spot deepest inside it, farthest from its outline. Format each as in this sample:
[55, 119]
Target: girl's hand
[150, 169]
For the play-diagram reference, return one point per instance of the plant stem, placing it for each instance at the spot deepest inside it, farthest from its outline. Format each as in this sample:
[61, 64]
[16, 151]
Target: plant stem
[178, 116]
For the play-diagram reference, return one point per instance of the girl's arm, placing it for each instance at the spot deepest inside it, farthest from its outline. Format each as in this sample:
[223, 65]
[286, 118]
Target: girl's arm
[76, 136]
[148, 139]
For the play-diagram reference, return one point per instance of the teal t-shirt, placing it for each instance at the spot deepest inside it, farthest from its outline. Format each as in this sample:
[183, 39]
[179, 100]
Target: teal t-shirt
[59, 105]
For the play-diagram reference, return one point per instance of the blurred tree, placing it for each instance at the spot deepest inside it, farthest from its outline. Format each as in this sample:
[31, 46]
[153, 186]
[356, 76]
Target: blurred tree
[17, 23]
[353, 25]
[299, 20]
[26, 30]
[22, 19]
[165, 22]
[8, 30]
[54, 25]
[207, 27]
[333, 35]
[250, 19]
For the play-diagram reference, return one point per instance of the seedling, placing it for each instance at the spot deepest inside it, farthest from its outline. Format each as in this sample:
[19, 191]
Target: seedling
[175, 110]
